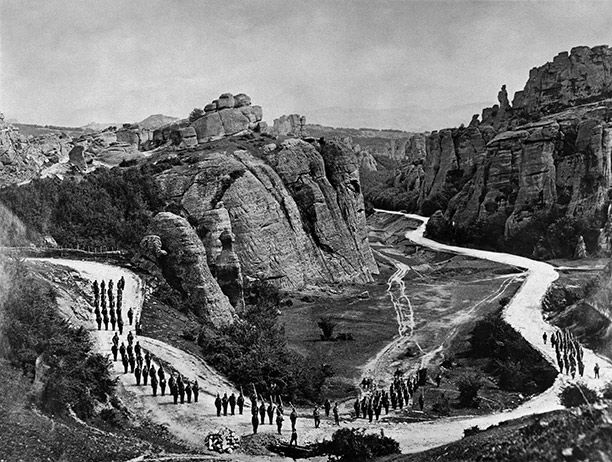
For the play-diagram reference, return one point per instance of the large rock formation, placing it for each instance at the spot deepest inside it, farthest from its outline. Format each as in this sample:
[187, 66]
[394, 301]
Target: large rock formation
[547, 155]
[578, 77]
[292, 125]
[296, 209]
[228, 115]
[182, 259]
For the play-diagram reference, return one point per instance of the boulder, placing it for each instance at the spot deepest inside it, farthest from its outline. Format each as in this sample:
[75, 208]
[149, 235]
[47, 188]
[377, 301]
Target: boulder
[77, 159]
[225, 101]
[241, 100]
[184, 266]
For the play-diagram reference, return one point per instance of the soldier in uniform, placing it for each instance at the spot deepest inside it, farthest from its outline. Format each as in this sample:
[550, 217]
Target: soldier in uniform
[188, 391]
[120, 326]
[99, 322]
[154, 384]
[114, 351]
[132, 362]
[162, 385]
[270, 411]
[130, 314]
[125, 362]
[181, 388]
[293, 417]
[195, 388]
[293, 441]
[145, 374]
[218, 406]
[316, 415]
[240, 402]
[336, 416]
[262, 412]
[224, 403]
[255, 422]
[279, 421]
[137, 374]
[130, 337]
[232, 403]
[327, 407]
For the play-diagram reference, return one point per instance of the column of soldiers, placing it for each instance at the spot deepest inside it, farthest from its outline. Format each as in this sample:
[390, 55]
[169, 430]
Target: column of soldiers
[111, 314]
[569, 353]
[133, 357]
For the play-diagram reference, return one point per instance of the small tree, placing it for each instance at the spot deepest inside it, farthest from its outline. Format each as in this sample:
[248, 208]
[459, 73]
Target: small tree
[576, 394]
[327, 325]
[356, 446]
[196, 114]
[468, 386]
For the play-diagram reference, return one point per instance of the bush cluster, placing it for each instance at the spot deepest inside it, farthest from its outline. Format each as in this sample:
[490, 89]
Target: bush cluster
[577, 394]
[515, 364]
[33, 329]
[352, 445]
[254, 351]
[107, 208]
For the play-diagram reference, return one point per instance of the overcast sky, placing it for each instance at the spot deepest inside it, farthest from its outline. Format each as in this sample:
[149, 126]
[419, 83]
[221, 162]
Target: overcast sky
[383, 64]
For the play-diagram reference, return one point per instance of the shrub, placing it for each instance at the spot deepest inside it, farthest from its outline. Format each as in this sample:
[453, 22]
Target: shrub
[196, 114]
[327, 325]
[468, 386]
[576, 394]
[33, 329]
[254, 351]
[352, 445]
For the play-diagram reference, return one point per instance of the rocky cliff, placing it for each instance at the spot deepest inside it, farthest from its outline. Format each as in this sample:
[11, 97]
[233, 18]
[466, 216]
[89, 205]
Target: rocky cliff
[295, 209]
[544, 159]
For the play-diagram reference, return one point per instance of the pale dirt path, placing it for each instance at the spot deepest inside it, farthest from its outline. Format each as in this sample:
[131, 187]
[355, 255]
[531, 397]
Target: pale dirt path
[188, 422]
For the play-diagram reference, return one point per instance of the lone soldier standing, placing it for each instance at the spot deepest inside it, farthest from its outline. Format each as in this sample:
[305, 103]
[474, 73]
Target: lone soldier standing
[130, 314]
[336, 416]
[596, 370]
[316, 416]
[327, 407]
[293, 441]
[293, 417]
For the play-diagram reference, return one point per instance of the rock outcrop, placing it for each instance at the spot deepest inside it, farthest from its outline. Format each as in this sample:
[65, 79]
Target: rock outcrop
[228, 271]
[228, 115]
[548, 154]
[182, 259]
[296, 210]
[289, 125]
[578, 77]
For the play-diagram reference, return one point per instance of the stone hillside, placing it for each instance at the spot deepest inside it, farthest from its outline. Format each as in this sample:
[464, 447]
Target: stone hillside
[547, 151]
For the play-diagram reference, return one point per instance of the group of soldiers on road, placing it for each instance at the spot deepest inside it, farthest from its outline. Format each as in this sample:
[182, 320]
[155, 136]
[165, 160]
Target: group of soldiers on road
[111, 314]
[134, 358]
[569, 353]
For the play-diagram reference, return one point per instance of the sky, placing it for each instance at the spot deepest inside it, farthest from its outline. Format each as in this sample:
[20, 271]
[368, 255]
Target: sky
[406, 65]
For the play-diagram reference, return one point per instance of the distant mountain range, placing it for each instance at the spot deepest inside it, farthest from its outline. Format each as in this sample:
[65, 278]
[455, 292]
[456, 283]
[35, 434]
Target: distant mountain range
[152, 122]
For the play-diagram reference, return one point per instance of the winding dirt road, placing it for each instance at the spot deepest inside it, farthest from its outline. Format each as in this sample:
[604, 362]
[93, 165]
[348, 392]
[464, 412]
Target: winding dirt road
[192, 422]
